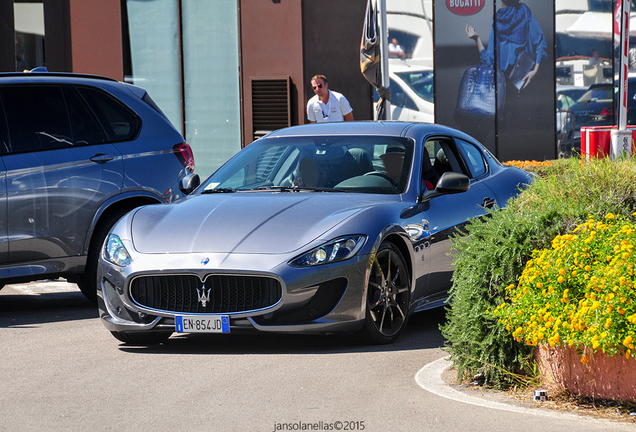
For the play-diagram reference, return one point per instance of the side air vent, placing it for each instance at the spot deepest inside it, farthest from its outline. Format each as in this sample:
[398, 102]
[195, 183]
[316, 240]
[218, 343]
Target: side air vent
[271, 104]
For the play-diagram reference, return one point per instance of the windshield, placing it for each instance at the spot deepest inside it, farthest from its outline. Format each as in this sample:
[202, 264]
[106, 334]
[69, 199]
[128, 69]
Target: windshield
[421, 82]
[354, 164]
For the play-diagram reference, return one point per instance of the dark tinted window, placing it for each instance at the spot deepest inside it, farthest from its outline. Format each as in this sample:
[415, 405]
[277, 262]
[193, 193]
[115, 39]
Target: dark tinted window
[421, 82]
[4, 132]
[37, 118]
[86, 128]
[401, 99]
[120, 123]
[473, 158]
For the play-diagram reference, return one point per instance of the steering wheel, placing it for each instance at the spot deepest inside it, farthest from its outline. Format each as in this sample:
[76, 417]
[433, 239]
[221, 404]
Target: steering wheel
[394, 182]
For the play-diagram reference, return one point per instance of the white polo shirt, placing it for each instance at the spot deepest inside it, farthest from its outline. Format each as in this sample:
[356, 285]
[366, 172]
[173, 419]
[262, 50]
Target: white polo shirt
[334, 110]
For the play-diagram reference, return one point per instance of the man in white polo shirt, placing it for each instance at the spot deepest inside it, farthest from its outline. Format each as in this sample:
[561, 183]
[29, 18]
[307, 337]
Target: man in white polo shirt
[327, 105]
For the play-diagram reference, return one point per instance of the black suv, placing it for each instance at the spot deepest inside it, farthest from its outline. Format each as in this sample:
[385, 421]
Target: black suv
[76, 153]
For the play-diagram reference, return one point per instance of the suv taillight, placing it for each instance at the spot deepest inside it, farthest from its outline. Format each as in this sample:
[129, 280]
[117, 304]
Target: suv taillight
[185, 155]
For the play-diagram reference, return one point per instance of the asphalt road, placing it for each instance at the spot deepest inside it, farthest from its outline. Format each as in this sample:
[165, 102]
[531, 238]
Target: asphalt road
[61, 370]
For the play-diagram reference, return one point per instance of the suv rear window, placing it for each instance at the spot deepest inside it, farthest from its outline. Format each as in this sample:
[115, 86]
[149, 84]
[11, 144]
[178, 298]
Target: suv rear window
[86, 128]
[120, 123]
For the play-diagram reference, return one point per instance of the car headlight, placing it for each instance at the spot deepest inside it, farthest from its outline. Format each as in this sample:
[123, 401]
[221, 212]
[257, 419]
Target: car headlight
[336, 250]
[115, 252]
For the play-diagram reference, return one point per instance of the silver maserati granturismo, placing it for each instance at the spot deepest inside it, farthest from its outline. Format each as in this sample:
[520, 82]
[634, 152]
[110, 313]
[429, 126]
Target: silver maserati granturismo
[324, 228]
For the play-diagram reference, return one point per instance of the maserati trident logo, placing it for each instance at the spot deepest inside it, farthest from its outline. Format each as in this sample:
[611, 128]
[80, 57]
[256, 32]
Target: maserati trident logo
[204, 295]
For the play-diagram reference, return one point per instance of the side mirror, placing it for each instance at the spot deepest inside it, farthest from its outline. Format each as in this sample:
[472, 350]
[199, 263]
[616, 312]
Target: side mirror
[451, 183]
[189, 183]
[448, 183]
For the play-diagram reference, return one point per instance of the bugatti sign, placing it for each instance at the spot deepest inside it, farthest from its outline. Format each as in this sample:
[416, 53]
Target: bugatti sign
[465, 7]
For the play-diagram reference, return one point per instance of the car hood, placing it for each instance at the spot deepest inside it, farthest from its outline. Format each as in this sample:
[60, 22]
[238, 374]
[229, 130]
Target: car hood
[273, 223]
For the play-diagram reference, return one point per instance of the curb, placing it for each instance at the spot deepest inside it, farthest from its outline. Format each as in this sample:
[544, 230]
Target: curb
[429, 378]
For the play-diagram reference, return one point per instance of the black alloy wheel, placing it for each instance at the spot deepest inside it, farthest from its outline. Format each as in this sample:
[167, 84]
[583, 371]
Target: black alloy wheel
[388, 294]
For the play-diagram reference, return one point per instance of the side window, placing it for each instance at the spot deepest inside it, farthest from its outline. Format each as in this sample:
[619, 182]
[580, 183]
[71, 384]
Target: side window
[5, 144]
[119, 122]
[441, 156]
[86, 128]
[399, 98]
[409, 103]
[37, 118]
[473, 158]
[434, 163]
[432, 147]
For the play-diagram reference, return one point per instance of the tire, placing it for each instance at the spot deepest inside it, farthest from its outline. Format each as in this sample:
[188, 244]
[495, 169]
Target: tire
[88, 281]
[141, 338]
[388, 295]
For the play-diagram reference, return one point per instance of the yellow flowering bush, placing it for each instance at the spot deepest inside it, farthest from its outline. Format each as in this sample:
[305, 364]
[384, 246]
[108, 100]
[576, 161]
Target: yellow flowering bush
[580, 292]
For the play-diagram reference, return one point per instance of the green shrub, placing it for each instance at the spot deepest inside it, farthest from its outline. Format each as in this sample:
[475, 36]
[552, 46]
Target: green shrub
[491, 255]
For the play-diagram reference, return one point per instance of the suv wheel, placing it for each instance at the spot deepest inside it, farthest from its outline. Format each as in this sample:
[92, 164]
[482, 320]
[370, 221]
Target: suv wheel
[88, 282]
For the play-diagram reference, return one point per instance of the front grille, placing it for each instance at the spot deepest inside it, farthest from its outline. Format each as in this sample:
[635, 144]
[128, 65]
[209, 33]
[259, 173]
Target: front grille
[227, 293]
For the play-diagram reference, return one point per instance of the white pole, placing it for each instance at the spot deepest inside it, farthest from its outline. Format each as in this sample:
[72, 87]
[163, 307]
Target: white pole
[384, 52]
[621, 139]
[622, 111]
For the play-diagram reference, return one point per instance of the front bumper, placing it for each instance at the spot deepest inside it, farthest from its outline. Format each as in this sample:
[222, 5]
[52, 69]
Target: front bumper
[321, 299]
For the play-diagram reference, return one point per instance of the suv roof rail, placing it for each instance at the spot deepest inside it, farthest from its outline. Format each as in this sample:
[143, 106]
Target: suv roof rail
[42, 71]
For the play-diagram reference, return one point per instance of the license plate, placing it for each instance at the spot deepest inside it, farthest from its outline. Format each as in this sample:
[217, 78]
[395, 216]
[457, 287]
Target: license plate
[202, 324]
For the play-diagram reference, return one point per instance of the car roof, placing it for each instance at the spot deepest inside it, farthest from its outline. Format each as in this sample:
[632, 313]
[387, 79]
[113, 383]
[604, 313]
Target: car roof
[367, 128]
[561, 87]
[59, 77]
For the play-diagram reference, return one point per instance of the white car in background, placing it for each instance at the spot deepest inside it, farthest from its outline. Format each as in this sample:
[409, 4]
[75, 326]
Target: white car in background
[411, 93]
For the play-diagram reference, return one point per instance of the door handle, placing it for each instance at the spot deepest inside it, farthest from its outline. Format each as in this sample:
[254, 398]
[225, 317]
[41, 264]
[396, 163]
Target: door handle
[488, 203]
[101, 158]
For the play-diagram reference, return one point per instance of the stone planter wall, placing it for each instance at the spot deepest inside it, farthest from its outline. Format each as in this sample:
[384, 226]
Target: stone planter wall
[602, 377]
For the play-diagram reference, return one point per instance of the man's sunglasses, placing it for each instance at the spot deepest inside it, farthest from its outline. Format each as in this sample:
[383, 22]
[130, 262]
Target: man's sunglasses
[316, 86]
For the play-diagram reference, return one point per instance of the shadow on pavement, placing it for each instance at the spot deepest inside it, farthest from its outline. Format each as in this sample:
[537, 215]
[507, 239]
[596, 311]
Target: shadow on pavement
[422, 332]
[24, 310]
[43, 306]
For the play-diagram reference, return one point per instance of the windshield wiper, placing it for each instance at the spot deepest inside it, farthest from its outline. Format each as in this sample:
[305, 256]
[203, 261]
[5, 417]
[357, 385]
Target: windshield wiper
[316, 189]
[219, 190]
[270, 188]
[294, 189]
